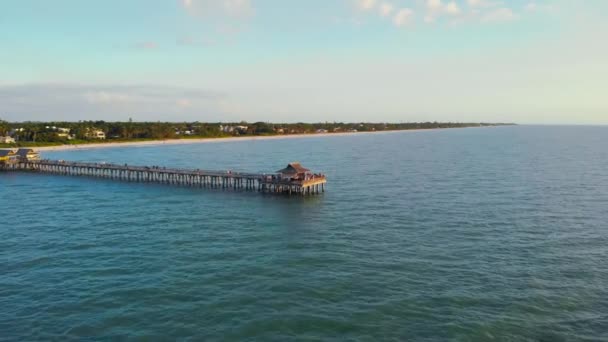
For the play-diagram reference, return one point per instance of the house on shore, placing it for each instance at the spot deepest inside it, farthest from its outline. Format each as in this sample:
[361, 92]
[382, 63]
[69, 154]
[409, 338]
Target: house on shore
[65, 133]
[7, 140]
[95, 134]
[234, 129]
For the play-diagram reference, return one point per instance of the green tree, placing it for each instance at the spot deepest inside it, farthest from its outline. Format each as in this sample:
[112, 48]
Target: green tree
[262, 128]
[129, 129]
[3, 127]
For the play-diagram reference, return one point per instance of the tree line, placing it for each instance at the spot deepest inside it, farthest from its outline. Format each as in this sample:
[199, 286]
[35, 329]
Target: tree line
[61, 132]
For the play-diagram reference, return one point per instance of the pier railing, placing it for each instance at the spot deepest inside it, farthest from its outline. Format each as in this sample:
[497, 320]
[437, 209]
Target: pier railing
[226, 180]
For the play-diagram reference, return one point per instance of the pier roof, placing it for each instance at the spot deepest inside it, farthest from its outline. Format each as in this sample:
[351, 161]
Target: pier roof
[293, 168]
[24, 152]
[4, 153]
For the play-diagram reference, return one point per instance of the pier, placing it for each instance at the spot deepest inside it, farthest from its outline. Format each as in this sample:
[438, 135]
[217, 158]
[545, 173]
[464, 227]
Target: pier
[292, 180]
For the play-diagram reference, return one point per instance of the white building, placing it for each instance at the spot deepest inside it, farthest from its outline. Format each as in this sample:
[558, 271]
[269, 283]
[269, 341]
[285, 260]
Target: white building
[7, 140]
[234, 129]
[64, 133]
[95, 134]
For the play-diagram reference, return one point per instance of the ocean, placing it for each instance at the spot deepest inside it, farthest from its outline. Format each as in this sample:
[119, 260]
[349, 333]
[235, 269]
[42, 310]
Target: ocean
[472, 234]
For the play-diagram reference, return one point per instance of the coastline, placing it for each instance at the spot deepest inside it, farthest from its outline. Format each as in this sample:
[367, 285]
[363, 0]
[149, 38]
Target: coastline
[216, 140]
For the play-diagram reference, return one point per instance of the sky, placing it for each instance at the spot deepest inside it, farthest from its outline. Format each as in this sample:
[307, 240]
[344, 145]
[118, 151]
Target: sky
[523, 61]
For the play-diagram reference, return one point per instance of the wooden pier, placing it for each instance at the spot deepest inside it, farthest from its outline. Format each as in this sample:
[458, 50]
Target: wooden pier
[294, 179]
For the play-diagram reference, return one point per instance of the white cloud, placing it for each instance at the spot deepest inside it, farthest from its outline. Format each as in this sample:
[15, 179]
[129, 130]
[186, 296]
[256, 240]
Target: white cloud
[434, 5]
[499, 15]
[386, 9]
[534, 7]
[211, 8]
[366, 4]
[452, 8]
[238, 7]
[109, 102]
[403, 17]
[531, 7]
[484, 3]
[450, 12]
[436, 9]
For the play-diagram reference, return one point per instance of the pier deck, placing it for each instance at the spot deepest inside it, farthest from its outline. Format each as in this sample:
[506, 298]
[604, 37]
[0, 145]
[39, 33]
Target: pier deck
[304, 184]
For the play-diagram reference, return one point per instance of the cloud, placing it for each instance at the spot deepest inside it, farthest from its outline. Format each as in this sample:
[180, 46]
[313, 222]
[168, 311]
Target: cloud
[434, 5]
[237, 7]
[484, 3]
[499, 15]
[533, 7]
[436, 9]
[366, 5]
[109, 102]
[214, 8]
[452, 8]
[386, 9]
[403, 17]
[447, 12]
[227, 18]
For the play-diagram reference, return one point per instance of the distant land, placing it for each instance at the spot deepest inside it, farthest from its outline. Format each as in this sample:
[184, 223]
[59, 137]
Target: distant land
[48, 134]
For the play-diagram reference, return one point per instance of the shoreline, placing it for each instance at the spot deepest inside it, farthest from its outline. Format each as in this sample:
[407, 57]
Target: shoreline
[216, 140]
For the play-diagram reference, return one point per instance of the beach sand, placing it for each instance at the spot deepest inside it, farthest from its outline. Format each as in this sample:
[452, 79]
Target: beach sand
[211, 140]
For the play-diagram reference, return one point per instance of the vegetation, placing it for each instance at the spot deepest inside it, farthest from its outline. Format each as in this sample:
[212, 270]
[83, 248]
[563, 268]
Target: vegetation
[29, 134]
[4, 127]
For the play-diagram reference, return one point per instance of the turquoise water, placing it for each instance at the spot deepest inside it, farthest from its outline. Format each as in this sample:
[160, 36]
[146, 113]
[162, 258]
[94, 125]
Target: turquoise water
[464, 234]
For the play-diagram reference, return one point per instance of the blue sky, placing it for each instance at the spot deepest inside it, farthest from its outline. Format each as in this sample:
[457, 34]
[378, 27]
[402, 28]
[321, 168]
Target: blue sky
[525, 61]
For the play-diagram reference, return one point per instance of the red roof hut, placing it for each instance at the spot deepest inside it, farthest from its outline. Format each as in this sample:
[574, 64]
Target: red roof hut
[295, 171]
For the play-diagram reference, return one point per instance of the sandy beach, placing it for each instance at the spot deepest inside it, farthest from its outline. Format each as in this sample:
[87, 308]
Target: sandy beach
[211, 140]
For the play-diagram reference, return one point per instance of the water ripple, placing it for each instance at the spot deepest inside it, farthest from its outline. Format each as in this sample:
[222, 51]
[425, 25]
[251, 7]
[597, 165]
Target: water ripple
[464, 235]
